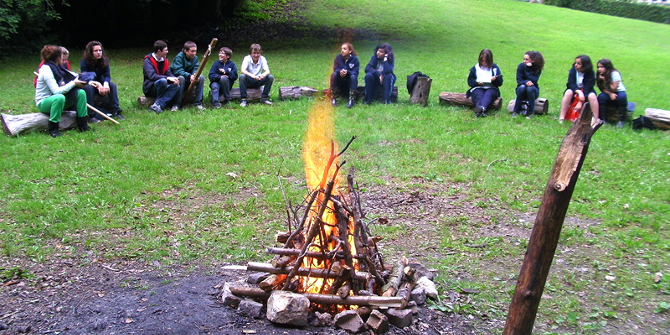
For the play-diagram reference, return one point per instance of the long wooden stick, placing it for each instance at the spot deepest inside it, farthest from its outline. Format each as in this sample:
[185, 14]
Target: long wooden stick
[205, 58]
[101, 113]
[325, 298]
[547, 228]
[302, 271]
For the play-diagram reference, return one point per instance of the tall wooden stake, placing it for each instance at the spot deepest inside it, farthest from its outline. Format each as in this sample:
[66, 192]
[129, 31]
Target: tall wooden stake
[548, 224]
[205, 57]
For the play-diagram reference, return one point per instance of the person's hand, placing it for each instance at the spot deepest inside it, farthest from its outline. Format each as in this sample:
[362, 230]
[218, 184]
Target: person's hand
[79, 83]
[613, 96]
[173, 80]
[381, 79]
[343, 73]
[581, 96]
[222, 70]
[529, 83]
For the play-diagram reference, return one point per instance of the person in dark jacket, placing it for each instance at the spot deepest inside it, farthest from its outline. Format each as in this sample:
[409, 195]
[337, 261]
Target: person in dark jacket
[527, 77]
[222, 76]
[484, 79]
[345, 73]
[159, 82]
[379, 72]
[580, 86]
[96, 62]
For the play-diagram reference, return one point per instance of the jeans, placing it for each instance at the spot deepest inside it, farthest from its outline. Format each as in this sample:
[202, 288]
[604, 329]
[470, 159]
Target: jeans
[372, 82]
[345, 84]
[91, 92]
[165, 93]
[246, 81]
[484, 97]
[199, 88]
[528, 93]
[224, 85]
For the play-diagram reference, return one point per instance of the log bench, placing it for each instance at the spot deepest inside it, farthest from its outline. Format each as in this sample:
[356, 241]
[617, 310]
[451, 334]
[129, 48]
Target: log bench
[541, 106]
[612, 113]
[659, 117]
[359, 94]
[460, 99]
[13, 125]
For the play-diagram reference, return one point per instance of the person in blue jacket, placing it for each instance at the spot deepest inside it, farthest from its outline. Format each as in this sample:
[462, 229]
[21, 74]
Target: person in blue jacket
[527, 77]
[484, 79]
[222, 76]
[580, 86]
[379, 72]
[96, 62]
[345, 73]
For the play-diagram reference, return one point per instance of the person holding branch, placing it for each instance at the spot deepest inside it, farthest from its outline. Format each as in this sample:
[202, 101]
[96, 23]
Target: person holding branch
[53, 93]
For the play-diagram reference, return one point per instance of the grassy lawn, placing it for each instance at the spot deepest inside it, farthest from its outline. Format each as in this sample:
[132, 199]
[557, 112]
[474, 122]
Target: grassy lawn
[202, 185]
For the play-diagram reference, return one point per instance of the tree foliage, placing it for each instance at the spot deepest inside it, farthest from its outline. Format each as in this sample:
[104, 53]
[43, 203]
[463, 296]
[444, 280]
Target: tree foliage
[621, 8]
[24, 23]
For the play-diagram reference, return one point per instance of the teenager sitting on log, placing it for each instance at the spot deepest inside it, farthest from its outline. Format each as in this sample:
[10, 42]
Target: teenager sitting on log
[254, 74]
[580, 86]
[185, 66]
[612, 91]
[96, 62]
[51, 91]
[345, 73]
[159, 82]
[379, 72]
[222, 76]
[527, 76]
[66, 63]
[484, 79]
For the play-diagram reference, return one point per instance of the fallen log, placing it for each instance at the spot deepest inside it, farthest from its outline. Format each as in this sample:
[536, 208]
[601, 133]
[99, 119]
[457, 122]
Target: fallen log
[460, 99]
[319, 273]
[659, 117]
[359, 93]
[296, 252]
[296, 92]
[13, 125]
[541, 106]
[390, 302]
[421, 91]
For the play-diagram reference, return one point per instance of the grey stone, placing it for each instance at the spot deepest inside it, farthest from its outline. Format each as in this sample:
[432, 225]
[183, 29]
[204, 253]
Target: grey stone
[3, 326]
[250, 308]
[322, 319]
[400, 318]
[418, 295]
[288, 308]
[429, 286]
[421, 271]
[257, 277]
[24, 329]
[228, 298]
[378, 322]
[349, 320]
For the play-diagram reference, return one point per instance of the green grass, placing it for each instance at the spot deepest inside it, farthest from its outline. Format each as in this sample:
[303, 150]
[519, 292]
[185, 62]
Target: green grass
[202, 185]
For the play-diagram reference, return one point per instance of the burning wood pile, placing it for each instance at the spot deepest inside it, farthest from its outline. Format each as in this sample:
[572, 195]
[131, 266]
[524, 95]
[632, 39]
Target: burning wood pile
[329, 261]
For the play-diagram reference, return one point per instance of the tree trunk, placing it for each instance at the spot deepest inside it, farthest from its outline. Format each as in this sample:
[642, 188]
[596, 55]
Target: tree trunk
[421, 91]
[541, 106]
[460, 99]
[547, 228]
[14, 125]
[295, 92]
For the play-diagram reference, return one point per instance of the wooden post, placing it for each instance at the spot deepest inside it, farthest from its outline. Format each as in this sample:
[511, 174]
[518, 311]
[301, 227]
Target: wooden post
[421, 91]
[548, 224]
[205, 58]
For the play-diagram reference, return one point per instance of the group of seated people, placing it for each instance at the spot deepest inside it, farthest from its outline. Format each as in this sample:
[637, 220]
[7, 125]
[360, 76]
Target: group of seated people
[57, 88]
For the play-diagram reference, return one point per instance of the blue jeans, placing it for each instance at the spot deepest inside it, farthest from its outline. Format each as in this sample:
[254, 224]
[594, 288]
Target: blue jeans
[165, 93]
[184, 83]
[91, 92]
[372, 82]
[224, 85]
[253, 83]
[484, 97]
[528, 93]
[621, 103]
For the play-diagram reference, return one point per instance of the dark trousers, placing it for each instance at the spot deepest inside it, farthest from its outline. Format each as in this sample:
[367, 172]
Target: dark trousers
[253, 83]
[222, 86]
[528, 93]
[113, 96]
[372, 82]
[165, 93]
[346, 84]
[621, 103]
[484, 97]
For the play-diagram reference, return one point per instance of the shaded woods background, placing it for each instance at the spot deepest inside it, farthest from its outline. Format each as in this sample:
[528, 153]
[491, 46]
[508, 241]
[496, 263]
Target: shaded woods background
[26, 25]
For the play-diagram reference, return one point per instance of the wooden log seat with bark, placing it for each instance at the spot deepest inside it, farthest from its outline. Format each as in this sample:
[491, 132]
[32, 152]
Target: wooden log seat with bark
[359, 94]
[148, 101]
[541, 106]
[421, 91]
[13, 125]
[612, 113]
[459, 99]
[659, 117]
[296, 92]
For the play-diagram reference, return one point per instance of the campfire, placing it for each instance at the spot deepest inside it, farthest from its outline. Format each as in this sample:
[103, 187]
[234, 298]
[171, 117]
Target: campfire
[328, 259]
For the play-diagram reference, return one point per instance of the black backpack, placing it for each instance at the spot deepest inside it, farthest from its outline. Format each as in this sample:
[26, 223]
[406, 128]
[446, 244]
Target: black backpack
[643, 122]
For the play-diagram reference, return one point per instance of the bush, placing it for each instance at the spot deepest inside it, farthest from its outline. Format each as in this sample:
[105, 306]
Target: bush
[628, 9]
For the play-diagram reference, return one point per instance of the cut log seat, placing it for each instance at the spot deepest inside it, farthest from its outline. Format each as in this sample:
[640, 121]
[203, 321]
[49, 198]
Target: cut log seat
[359, 94]
[296, 92]
[460, 99]
[659, 117]
[13, 125]
[541, 106]
[612, 113]
[421, 91]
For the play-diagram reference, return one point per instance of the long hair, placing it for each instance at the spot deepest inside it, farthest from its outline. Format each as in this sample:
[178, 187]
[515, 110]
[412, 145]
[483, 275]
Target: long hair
[587, 66]
[51, 53]
[351, 47]
[389, 51]
[604, 84]
[103, 62]
[485, 56]
[538, 61]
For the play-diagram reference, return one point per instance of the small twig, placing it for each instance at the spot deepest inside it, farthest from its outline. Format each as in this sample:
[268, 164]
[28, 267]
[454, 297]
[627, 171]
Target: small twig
[497, 160]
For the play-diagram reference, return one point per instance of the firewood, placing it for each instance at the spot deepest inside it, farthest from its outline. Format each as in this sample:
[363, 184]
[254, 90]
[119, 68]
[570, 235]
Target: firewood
[390, 302]
[341, 279]
[421, 91]
[311, 254]
[301, 271]
[282, 237]
[391, 287]
[270, 282]
[281, 261]
[301, 223]
[343, 291]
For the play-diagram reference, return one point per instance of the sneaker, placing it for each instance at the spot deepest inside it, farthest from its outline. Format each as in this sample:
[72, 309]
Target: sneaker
[119, 117]
[156, 108]
[620, 124]
[334, 102]
[200, 107]
[243, 103]
[515, 114]
[266, 101]
[93, 119]
[174, 108]
[216, 104]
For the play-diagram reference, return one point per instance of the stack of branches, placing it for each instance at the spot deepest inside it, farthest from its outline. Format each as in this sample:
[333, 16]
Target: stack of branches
[315, 247]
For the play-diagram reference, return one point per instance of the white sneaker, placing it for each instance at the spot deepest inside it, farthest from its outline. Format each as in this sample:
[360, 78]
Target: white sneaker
[243, 103]
[200, 107]
[174, 108]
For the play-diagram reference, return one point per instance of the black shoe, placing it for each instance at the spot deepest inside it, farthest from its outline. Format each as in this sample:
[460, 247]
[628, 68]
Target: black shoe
[118, 116]
[93, 119]
[82, 124]
[479, 111]
[53, 130]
